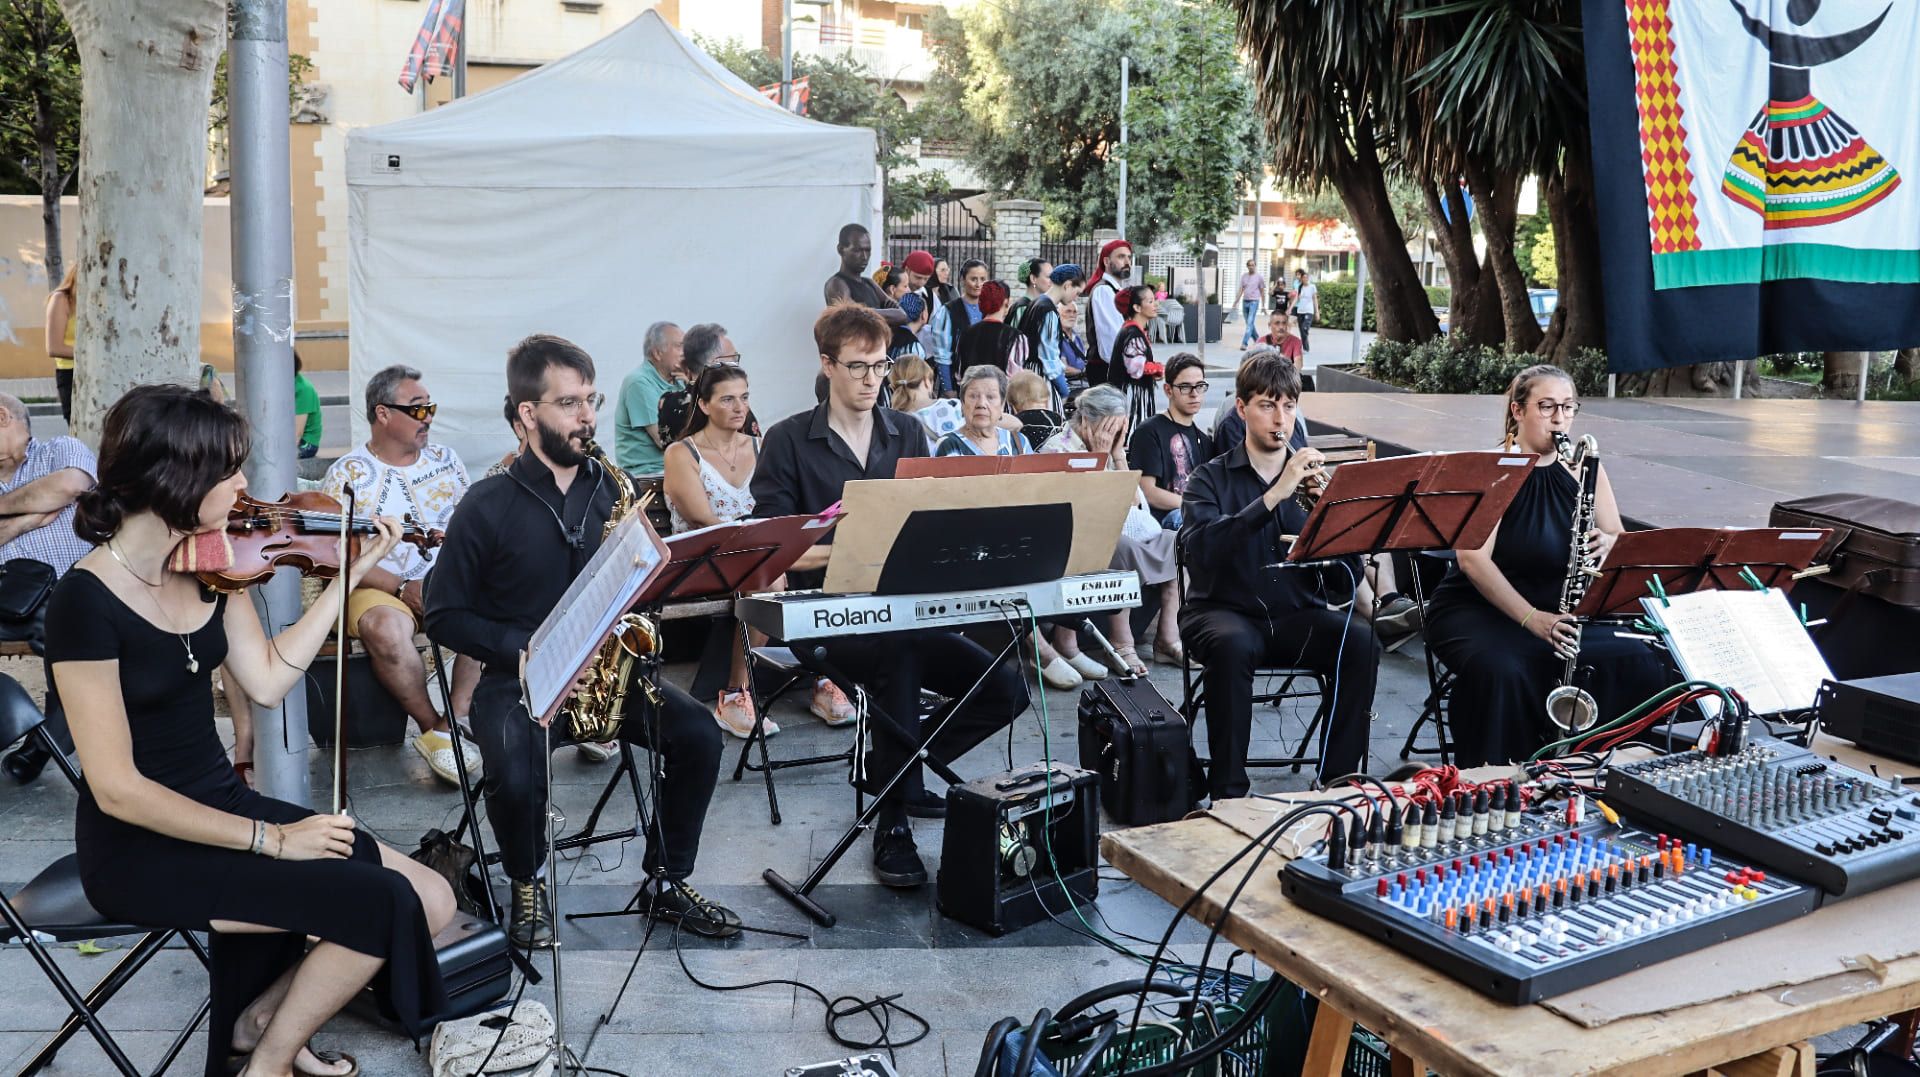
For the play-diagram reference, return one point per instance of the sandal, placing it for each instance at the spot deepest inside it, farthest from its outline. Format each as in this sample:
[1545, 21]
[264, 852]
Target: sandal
[1135, 667]
[1171, 654]
[237, 1062]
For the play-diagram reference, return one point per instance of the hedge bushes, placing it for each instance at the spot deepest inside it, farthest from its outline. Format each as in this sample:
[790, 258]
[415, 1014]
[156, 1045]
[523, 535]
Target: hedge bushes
[1442, 365]
[1336, 306]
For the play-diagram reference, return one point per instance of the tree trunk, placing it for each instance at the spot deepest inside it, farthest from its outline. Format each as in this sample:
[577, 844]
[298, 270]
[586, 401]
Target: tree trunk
[1840, 377]
[1579, 319]
[1703, 379]
[1906, 365]
[1472, 316]
[1401, 308]
[46, 132]
[147, 78]
[1497, 198]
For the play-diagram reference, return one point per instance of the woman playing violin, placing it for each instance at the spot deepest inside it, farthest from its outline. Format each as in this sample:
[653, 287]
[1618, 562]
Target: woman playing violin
[166, 832]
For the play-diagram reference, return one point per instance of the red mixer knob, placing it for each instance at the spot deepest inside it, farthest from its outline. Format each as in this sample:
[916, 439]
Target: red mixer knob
[1380, 891]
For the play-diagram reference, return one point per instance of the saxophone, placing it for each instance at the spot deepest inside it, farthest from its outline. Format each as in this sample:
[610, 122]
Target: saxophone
[1569, 706]
[596, 710]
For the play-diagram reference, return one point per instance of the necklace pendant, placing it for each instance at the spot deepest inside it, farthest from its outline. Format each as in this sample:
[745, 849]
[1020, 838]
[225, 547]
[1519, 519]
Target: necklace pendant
[193, 664]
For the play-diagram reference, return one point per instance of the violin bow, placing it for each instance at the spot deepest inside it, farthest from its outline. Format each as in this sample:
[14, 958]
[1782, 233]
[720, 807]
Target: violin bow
[340, 673]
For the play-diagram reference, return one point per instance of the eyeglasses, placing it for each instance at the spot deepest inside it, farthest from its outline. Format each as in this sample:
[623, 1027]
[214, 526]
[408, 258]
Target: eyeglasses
[729, 359]
[575, 404]
[1191, 388]
[419, 413]
[1549, 407]
[860, 371]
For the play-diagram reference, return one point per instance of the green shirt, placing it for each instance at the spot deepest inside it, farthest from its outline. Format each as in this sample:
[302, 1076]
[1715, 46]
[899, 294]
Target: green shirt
[306, 401]
[639, 408]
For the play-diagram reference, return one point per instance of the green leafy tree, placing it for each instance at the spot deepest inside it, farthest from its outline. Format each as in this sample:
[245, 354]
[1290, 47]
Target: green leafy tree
[1541, 262]
[40, 110]
[1527, 237]
[844, 91]
[1032, 89]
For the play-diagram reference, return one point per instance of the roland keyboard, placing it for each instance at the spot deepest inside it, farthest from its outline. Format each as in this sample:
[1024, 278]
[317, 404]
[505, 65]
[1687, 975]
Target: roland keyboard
[798, 615]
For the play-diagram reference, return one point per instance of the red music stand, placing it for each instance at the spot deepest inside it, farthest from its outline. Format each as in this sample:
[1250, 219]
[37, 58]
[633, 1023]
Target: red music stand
[732, 558]
[1437, 501]
[1687, 559]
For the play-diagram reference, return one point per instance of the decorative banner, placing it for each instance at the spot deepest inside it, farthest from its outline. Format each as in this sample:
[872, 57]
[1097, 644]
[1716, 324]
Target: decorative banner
[436, 45]
[1749, 159]
[802, 94]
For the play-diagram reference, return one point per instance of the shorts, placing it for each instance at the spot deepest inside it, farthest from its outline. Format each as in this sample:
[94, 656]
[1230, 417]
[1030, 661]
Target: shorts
[363, 599]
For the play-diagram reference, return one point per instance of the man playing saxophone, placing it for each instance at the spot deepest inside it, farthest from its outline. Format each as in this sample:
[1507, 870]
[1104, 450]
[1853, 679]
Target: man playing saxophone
[512, 548]
[1500, 619]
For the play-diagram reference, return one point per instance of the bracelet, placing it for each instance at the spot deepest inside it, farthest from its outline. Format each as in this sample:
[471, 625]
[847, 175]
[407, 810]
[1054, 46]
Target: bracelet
[1528, 617]
[259, 838]
[280, 840]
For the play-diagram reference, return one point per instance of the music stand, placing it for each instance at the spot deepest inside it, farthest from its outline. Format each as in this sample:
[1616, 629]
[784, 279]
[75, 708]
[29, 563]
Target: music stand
[1688, 559]
[1031, 463]
[1438, 501]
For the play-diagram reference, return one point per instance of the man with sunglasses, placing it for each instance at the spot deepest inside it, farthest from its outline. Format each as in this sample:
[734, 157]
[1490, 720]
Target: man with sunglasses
[400, 473]
[807, 459]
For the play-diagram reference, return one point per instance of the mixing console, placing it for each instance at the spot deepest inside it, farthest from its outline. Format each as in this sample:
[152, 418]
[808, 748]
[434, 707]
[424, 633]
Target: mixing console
[1843, 830]
[1533, 907]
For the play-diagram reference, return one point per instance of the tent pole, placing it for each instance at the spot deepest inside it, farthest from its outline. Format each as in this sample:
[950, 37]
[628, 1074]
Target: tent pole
[786, 55]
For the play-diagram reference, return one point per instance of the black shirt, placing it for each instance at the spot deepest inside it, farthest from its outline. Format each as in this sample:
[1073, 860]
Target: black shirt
[1168, 452]
[861, 290]
[1230, 538]
[804, 465]
[513, 547]
[989, 343]
[1532, 547]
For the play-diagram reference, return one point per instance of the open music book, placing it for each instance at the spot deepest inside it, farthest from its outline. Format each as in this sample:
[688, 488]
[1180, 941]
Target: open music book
[584, 617]
[1749, 641]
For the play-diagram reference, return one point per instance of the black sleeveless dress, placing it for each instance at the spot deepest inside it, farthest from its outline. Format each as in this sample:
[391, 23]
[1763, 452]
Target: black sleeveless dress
[1498, 710]
[140, 876]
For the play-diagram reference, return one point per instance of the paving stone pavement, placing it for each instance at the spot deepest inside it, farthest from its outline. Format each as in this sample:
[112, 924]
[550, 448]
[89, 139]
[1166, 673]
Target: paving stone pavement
[959, 979]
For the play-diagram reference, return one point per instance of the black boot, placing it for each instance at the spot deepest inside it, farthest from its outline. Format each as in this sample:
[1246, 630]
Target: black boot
[25, 763]
[531, 925]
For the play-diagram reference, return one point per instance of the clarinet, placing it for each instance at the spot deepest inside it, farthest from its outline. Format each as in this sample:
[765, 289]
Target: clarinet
[1569, 706]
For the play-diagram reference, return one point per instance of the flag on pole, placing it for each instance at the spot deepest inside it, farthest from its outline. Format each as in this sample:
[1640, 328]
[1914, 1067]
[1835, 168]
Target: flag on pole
[801, 93]
[436, 45]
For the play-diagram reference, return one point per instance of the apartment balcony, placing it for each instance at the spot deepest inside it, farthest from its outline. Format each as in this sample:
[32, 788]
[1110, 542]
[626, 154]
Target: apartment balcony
[893, 53]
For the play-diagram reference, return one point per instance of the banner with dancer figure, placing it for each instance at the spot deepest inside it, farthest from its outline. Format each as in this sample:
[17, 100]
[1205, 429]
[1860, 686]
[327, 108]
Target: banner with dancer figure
[1753, 164]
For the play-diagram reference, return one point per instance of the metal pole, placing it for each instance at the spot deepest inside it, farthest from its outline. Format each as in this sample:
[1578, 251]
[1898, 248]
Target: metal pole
[1866, 367]
[460, 57]
[1613, 384]
[1739, 378]
[263, 341]
[786, 55]
[1120, 214]
[1359, 305]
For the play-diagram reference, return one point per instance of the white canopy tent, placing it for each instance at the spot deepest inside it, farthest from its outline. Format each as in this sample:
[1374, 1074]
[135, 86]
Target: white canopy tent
[634, 181]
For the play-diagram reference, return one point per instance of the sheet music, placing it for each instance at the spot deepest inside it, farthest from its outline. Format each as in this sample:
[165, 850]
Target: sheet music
[585, 615]
[1750, 641]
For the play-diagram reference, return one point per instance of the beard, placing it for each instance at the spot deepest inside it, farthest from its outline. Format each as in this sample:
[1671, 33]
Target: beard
[1120, 274]
[557, 445]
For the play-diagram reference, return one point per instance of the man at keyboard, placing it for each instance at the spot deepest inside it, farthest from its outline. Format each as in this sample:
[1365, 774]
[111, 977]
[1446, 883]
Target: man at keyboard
[806, 461]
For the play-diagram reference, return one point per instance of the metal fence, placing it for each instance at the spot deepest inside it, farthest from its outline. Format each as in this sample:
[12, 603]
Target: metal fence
[947, 230]
[1081, 252]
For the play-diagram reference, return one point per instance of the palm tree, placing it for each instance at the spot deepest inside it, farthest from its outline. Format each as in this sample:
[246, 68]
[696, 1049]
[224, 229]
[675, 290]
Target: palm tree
[1331, 79]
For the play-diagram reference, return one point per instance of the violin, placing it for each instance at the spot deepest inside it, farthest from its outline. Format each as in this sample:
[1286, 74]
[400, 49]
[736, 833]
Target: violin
[301, 530]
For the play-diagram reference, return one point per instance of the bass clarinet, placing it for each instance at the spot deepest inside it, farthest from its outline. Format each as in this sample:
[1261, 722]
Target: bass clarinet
[1570, 707]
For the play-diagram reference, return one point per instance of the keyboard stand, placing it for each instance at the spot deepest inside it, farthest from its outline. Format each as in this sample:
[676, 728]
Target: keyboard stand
[802, 895]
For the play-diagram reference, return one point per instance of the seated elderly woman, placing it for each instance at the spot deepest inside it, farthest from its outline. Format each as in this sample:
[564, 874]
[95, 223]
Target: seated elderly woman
[983, 413]
[1099, 426]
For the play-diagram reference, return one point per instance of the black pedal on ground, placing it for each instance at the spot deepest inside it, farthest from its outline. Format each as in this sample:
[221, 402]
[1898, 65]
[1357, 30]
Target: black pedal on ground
[1781, 805]
[1019, 844]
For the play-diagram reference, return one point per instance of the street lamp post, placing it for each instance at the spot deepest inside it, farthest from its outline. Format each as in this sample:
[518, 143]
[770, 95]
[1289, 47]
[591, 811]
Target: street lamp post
[1120, 216]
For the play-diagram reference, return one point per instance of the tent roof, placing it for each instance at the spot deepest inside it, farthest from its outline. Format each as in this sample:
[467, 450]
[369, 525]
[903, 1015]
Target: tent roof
[641, 107]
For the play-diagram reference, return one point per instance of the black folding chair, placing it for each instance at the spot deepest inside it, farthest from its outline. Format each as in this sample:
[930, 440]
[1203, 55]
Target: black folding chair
[1435, 709]
[785, 671]
[1193, 697]
[53, 908]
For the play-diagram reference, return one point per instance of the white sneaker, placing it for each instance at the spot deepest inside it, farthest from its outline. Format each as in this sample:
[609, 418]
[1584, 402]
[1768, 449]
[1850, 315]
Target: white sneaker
[830, 704]
[597, 752]
[1058, 674]
[1087, 668]
[437, 749]
[734, 711]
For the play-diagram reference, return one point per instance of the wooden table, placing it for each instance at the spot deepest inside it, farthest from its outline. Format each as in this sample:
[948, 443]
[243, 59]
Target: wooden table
[1433, 1022]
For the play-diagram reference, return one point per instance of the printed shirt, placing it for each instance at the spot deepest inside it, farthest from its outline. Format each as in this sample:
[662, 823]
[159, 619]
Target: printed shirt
[55, 544]
[425, 491]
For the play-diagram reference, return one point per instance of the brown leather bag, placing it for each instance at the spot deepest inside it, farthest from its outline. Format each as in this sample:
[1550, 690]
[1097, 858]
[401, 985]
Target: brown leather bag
[1875, 548]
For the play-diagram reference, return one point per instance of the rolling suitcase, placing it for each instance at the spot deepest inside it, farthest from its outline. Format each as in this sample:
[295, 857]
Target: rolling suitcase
[1141, 748]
